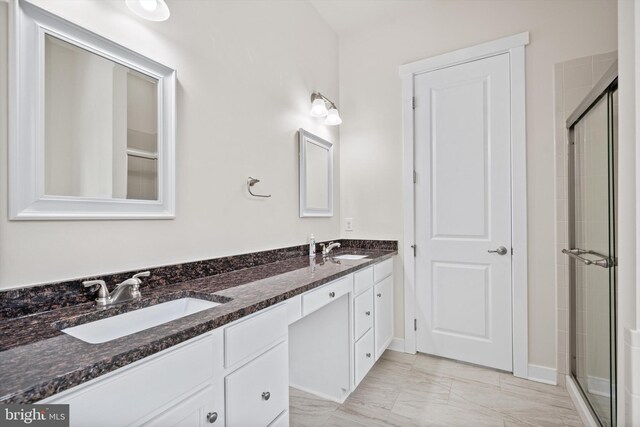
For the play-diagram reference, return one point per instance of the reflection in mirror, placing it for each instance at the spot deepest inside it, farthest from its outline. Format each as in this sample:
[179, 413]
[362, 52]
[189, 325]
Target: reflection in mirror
[316, 176]
[101, 130]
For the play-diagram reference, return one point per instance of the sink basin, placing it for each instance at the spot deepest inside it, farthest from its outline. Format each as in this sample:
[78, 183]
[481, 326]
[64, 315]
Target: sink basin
[108, 329]
[350, 256]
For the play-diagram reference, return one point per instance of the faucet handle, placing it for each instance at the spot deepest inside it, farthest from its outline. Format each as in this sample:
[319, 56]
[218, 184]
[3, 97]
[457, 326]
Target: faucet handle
[142, 274]
[103, 292]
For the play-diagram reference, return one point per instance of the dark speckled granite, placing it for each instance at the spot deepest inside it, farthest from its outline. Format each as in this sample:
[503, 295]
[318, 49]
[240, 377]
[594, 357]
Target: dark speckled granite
[37, 299]
[37, 360]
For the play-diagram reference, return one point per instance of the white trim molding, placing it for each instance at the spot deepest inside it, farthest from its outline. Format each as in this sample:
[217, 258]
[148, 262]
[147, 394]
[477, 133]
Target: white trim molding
[543, 374]
[632, 377]
[514, 46]
[397, 344]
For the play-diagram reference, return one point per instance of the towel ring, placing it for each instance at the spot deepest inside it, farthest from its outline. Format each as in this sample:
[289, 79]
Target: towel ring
[250, 183]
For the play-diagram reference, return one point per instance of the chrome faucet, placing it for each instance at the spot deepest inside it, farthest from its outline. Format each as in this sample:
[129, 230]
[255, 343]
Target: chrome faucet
[125, 291]
[326, 249]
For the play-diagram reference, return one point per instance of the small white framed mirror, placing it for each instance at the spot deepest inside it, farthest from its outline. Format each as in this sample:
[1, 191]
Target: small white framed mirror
[92, 125]
[316, 175]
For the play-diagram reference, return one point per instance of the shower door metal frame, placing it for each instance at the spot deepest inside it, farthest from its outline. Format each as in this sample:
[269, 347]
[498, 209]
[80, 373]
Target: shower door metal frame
[603, 88]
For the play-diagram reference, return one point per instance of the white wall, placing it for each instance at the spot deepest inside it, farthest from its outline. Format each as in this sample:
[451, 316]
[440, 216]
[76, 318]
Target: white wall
[628, 162]
[246, 71]
[371, 135]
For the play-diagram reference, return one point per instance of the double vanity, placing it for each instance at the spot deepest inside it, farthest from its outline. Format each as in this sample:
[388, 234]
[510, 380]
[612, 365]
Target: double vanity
[220, 349]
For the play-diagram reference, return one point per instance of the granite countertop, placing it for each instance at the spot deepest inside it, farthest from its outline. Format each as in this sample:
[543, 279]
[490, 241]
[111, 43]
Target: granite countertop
[37, 360]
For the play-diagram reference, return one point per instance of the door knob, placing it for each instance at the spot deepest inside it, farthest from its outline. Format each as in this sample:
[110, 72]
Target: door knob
[212, 417]
[266, 395]
[500, 251]
[332, 294]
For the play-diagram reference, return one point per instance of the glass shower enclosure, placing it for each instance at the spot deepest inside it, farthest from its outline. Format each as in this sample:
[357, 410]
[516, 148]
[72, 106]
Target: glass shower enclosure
[592, 238]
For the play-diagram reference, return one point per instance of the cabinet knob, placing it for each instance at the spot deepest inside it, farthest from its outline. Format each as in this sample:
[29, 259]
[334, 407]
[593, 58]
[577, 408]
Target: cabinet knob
[368, 313]
[266, 395]
[379, 295]
[332, 294]
[368, 354]
[212, 417]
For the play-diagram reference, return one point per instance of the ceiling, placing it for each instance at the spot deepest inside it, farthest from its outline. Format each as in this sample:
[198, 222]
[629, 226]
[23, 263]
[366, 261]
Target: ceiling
[346, 16]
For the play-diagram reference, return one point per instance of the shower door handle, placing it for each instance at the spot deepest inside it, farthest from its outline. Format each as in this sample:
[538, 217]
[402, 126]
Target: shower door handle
[500, 251]
[604, 261]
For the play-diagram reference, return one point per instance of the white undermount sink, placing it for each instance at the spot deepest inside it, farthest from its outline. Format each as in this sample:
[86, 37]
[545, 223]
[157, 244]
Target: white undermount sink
[108, 329]
[350, 256]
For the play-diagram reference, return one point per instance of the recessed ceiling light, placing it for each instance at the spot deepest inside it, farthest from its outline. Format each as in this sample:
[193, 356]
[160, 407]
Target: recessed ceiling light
[151, 10]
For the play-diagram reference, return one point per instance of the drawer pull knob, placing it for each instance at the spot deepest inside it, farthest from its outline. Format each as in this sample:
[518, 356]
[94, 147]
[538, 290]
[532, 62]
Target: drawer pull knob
[266, 395]
[379, 295]
[368, 313]
[368, 354]
[212, 417]
[332, 294]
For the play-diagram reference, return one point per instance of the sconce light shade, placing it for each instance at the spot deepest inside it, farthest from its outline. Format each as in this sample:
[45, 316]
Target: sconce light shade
[333, 118]
[151, 10]
[318, 109]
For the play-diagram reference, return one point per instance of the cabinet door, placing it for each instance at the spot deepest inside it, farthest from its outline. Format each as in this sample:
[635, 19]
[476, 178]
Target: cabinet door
[200, 409]
[383, 324]
[259, 391]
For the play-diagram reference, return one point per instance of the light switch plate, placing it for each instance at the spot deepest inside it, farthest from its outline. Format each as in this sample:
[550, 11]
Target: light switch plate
[348, 224]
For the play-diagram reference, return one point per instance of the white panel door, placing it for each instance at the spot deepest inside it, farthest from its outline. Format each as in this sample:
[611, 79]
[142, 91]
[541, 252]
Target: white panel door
[463, 211]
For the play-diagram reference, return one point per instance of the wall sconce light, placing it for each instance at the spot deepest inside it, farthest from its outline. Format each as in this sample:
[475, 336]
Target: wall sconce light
[319, 109]
[151, 10]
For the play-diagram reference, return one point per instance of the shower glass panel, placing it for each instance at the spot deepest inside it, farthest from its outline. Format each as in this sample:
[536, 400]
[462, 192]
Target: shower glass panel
[592, 236]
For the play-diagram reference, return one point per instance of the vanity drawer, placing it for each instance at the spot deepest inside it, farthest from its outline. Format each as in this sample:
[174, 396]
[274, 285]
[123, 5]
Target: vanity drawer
[382, 269]
[247, 401]
[363, 313]
[322, 296]
[362, 280]
[251, 336]
[154, 383]
[364, 356]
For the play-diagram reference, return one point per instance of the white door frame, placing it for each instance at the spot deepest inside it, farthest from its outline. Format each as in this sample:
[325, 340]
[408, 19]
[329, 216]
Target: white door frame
[514, 46]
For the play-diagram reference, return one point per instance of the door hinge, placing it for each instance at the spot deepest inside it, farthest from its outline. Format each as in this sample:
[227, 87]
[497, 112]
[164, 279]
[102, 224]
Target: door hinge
[415, 324]
[413, 102]
[414, 250]
[415, 177]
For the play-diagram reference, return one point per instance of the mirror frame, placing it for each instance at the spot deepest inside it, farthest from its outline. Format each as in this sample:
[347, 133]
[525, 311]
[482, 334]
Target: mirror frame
[305, 137]
[28, 26]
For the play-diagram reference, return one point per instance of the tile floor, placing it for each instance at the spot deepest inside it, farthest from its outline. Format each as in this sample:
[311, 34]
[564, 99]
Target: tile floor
[419, 390]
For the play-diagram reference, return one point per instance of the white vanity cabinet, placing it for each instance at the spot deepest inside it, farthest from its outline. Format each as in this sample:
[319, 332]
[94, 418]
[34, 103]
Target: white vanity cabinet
[323, 341]
[373, 316]
[174, 386]
[383, 306]
[233, 376]
[256, 383]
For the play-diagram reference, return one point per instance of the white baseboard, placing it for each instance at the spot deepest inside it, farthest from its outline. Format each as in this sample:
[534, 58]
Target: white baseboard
[542, 374]
[397, 344]
[580, 404]
[322, 395]
[599, 386]
[631, 383]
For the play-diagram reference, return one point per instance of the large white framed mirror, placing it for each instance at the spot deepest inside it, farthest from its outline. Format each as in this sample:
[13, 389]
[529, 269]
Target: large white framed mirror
[92, 124]
[316, 176]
